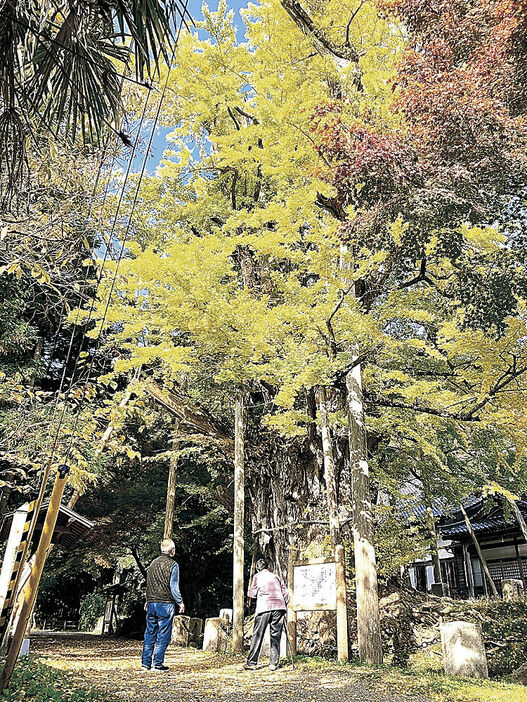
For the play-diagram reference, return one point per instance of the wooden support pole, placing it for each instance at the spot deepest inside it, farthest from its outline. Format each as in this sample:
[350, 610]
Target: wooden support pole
[342, 614]
[519, 517]
[368, 617]
[329, 466]
[171, 487]
[468, 570]
[479, 552]
[36, 573]
[239, 520]
[431, 525]
[291, 614]
[366, 586]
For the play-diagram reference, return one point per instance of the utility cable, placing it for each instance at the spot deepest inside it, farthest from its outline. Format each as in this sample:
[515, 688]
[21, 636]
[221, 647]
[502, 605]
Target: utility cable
[129, 222]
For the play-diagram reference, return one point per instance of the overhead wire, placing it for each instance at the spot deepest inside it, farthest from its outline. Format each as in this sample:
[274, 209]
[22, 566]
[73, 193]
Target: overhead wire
[129, 222]
[100, 273]
[48, 465]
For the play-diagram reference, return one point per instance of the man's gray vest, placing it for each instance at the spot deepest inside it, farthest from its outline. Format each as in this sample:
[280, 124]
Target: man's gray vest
[158, 580]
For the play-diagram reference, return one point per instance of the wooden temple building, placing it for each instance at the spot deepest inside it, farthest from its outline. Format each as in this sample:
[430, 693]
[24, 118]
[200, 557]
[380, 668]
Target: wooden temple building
[501, 541]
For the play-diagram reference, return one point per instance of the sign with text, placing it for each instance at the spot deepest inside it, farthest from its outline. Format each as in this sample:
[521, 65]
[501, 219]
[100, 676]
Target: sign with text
[314, 586]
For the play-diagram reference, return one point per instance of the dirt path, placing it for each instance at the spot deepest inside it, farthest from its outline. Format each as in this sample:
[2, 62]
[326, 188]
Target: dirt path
[112, 665]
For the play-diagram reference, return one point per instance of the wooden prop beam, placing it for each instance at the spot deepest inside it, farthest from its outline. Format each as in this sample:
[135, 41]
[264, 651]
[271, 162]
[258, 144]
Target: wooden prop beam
[291, 612]
[342, 613]
[239, 522]
[30, 591]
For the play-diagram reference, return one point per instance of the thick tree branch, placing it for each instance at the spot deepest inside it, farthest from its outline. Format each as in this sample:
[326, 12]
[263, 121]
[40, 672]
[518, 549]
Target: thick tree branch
[417, 407]
[420, 277]
[195, 417]
[246, 114]
[236, 123]
[323, 44]
[140, 565]
[331, 205]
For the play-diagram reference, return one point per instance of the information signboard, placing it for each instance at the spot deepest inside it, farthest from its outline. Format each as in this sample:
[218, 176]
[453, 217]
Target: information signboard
[318, 584]
[314, 587]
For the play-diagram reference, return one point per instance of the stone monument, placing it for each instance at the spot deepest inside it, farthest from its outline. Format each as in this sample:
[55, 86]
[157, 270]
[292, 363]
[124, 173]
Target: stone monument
[463, 650]
[512, 589]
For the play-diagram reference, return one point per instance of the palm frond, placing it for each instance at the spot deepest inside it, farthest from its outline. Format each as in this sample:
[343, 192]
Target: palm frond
[63, 63]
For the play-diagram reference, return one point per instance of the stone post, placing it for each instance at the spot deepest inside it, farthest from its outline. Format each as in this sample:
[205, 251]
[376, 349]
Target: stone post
[512, 589]
[463, 650]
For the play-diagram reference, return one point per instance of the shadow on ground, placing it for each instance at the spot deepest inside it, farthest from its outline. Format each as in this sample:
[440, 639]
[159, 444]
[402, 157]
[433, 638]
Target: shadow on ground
[113, 666]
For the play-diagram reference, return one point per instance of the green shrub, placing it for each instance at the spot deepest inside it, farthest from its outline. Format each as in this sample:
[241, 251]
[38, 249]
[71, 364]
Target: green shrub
[91, 608]
[36, 682]
[504, 627]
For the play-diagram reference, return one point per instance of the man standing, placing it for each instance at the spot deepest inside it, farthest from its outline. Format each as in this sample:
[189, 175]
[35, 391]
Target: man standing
[162, 595]
[271, 605]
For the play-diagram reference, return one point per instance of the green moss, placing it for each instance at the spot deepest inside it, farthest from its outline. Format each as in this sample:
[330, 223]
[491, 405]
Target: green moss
[35, 682]
[439, 687]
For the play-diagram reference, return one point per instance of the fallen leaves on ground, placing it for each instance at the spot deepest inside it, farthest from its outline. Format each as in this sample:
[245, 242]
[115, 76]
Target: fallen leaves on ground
[113, 666]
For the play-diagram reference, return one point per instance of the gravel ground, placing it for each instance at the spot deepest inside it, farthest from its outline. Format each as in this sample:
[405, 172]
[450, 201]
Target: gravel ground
[112, 665]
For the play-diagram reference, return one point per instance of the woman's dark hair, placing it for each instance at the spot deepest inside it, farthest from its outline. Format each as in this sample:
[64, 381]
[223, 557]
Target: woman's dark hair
[261, 564]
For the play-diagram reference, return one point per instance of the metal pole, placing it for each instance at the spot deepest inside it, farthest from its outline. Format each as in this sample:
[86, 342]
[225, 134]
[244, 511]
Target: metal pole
[36, 573]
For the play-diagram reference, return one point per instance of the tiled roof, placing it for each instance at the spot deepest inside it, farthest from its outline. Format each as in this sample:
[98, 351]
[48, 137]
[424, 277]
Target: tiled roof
[491, 524]
[482, 521]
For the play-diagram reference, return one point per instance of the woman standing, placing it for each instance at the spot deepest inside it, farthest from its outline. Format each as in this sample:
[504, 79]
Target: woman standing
[271, 606]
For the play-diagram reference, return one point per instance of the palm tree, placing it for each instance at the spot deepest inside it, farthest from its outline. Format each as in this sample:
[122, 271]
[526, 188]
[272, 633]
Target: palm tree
[63, 67]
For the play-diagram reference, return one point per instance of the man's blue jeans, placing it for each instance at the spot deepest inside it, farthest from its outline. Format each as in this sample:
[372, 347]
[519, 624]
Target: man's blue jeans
[159, 617]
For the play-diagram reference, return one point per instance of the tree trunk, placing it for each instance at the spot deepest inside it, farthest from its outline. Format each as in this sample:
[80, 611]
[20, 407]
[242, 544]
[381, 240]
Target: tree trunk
[478, 551]
[239, 519]
[138, 561]
[519, 517]
[368, 620]
[330, 475]
[431, 526]
[171, 487]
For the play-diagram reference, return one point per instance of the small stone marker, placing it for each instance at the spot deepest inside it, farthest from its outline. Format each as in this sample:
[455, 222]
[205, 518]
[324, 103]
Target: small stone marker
[215, 636]
[186, 630]
[226, 614]
[512, 589]
[196, 630]
[180, 631]
[520, 675]
[463, 650]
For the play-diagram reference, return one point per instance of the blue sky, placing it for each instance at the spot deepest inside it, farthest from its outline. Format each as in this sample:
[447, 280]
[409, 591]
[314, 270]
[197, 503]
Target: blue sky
[159, 142]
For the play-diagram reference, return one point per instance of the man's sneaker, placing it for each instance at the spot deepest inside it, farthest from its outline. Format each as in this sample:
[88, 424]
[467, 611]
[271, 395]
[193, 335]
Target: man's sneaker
[160, 668]
[249, 666]
[273, 667]
[145, 669]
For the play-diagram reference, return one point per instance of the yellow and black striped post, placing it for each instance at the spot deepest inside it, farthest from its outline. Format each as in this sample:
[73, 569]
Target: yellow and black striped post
[10, 598]
[31, 588]
[25, 542]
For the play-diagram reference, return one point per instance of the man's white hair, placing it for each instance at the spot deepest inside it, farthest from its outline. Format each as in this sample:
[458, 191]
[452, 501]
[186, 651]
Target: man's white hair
[167, 546]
